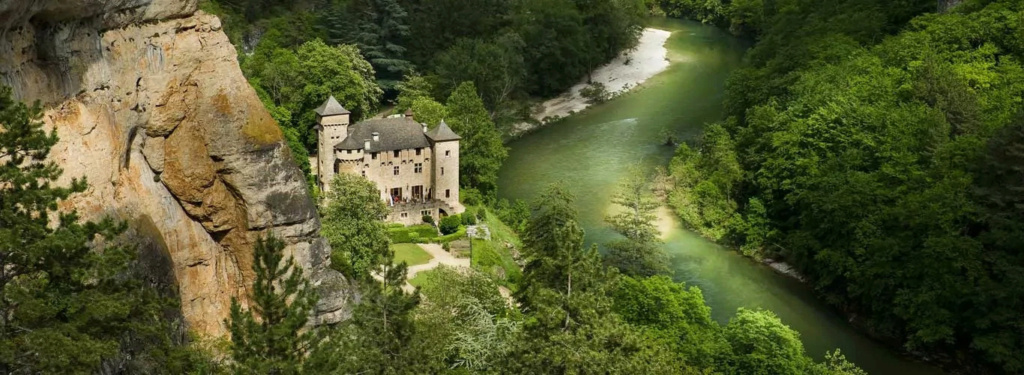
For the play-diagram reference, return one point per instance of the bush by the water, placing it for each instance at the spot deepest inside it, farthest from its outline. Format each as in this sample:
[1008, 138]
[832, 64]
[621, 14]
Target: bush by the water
[450, 224]
[595, 93]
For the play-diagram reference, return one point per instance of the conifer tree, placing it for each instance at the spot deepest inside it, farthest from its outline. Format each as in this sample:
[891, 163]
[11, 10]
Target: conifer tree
[382, 335]
[569, 325]
[638, 254]
[380, 28]
[269, 337]
[482, 151]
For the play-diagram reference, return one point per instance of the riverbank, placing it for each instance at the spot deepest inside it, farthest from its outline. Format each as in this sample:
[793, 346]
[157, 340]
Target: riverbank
[627, 71]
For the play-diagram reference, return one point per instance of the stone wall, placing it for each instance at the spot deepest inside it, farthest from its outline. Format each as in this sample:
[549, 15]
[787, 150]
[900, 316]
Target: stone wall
[151, 107]
[382, 171]
[446, 174]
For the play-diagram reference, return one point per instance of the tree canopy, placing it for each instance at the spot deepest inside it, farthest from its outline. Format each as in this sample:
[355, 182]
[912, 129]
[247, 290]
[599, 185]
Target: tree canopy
[869, 144]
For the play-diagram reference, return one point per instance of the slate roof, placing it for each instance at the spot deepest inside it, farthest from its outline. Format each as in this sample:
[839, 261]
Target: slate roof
[442, 133]
[395, 134]
[331, 107]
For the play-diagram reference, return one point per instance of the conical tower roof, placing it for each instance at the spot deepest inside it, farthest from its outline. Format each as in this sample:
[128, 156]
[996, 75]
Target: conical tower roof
[331, 107]
[442, 133]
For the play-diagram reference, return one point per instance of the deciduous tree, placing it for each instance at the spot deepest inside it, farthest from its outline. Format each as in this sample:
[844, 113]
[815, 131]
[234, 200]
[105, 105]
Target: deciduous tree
[353, 223]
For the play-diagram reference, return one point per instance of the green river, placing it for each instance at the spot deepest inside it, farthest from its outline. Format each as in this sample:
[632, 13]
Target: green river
[591, 151]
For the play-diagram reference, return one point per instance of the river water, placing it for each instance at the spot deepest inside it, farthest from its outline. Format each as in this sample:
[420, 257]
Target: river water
[592, 151]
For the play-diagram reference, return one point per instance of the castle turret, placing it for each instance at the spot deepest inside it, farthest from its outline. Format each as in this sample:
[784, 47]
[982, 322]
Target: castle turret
[332, 122]
[446, 164]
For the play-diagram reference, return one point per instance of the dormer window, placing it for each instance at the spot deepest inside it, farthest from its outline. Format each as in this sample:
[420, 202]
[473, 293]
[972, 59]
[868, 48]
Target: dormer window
[419, 151]
[397, 152]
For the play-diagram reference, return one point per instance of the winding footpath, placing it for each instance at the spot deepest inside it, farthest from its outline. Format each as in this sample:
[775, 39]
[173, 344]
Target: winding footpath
[439, 257]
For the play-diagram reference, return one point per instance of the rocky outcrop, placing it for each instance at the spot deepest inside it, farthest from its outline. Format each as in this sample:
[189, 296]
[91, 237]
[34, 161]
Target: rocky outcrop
[151, 107]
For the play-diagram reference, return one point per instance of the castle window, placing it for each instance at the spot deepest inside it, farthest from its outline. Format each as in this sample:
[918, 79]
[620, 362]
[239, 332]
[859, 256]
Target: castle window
[396, 170]
[364, 173]
[349, 151]
[442, 171]
[419, 151]
[447, 153]
[425, 213]
[373, 155]
[405, 215]
[397, 152]
[447, 193]
[418, 168]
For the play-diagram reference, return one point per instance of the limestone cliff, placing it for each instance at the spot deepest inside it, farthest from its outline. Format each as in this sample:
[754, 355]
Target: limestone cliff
[151, 107]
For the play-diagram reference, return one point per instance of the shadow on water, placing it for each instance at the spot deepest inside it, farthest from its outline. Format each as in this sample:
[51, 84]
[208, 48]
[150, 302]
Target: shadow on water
[591, 152]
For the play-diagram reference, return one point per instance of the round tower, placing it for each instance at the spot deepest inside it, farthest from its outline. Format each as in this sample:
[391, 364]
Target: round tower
[446, 165]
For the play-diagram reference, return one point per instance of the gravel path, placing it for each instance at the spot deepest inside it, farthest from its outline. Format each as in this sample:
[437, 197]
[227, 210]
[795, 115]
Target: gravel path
[440, 257]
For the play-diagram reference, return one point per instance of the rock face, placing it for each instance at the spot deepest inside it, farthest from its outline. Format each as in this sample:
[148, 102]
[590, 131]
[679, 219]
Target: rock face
[151, 107]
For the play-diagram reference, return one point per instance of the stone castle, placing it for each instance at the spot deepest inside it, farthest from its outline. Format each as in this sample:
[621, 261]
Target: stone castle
[415, 169]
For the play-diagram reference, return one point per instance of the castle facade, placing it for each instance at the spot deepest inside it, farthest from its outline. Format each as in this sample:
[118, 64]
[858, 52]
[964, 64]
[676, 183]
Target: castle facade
[415, 169]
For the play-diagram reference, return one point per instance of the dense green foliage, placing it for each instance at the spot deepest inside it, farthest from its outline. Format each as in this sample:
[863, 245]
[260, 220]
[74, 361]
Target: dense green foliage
[73, 295]
[268, 337]
[639, 252]
[294, 82]
[481, 151]
[412, 234]
[353, 225]
[885, 168]
[511, 50]
[450, 224]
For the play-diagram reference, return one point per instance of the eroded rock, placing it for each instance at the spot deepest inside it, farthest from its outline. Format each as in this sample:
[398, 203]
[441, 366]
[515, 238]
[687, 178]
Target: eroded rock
[151, 107]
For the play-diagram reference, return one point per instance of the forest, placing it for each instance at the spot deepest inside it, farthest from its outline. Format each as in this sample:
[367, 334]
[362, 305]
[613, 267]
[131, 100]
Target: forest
[877, 147]
[73, 297]
[874, 145]
[365, 52]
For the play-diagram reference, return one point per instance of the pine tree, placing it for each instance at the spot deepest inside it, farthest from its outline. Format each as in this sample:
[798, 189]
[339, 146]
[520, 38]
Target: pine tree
[639, 253]
[380, 29]
[270, 337]
[482, 150]
[558, 267]
[569, 326]
[382, 337]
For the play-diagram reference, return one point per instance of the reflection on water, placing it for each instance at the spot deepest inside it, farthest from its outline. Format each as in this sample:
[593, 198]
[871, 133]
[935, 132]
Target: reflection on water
[592, 151]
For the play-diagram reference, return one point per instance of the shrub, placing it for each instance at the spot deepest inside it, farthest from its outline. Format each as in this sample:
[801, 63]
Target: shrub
[468, 218]
[399, 235]
[424, 231]
[595, 93]
[471, 197]
[450, 224]
[451, 237]
[428, 219]
[481, 214]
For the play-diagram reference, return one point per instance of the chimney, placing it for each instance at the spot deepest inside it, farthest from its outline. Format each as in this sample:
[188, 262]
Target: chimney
[424, 127]
[366, 145]
[376, 137]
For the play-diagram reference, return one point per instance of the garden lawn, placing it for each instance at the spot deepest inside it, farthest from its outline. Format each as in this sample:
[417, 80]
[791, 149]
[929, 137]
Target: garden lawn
[412, 254]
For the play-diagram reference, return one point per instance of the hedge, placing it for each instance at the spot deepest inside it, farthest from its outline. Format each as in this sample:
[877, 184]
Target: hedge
[413, 234]
[451, 237]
